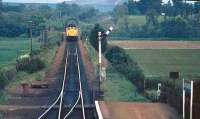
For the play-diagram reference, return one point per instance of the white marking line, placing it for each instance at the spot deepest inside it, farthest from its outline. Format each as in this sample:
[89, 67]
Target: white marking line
[98, 110]
[63, 87]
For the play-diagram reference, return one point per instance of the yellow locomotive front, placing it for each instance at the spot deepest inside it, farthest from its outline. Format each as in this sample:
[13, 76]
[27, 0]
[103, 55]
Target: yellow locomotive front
[71, 32]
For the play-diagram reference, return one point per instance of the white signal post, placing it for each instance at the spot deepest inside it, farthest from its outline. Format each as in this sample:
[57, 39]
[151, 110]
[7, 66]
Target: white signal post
[191, 99]
[100, 60]
[183, 98]
[99, 38]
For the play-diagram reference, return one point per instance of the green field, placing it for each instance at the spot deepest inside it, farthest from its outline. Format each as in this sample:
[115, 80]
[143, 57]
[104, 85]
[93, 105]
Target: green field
[160, 62]
[11, 47]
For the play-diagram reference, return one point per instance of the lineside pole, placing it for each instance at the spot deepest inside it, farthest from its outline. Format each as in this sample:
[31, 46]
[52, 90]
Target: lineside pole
[30, 34]
[191, 99]
[183, 98]
[99, 39]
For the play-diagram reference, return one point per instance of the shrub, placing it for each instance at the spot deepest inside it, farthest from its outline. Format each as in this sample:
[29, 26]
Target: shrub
[94, 38]
[30, 66]
[3, 80]
[125, 65]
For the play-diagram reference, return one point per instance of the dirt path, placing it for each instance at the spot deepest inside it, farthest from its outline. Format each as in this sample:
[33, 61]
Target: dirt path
[156, 44]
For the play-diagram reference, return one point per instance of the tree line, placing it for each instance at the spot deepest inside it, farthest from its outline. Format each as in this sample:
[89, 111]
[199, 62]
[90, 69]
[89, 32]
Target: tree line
[14, 18]
[179, 19]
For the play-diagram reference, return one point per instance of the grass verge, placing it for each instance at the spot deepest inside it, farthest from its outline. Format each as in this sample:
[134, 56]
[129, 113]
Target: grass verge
[116, 87]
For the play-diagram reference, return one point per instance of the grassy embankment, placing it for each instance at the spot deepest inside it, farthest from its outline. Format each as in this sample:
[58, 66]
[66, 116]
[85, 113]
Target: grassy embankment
[46, 55]
[116, 87]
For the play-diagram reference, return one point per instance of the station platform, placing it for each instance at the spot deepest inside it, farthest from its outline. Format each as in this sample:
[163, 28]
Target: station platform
[126, 110]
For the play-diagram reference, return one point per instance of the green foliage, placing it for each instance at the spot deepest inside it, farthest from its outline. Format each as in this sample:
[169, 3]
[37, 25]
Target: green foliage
[30, 66]
[175, 27]
[118, 88]
[125, 65]
[119, 12]
[3, 99]
[3, 80]
[87, 14]
[180, 19]
[10, 27]
[94, 37]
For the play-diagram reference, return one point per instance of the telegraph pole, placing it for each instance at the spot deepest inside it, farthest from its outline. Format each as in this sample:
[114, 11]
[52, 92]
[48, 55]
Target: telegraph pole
[183, 98]
[31, 39]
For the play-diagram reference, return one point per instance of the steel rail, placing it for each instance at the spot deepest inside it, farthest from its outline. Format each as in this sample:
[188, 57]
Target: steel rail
[80, 92]
[46, 111]
[79, 77]
[73, 106]
[63, 87]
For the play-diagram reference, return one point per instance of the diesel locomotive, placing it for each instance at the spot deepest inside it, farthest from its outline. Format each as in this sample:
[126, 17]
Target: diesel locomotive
[71, 32]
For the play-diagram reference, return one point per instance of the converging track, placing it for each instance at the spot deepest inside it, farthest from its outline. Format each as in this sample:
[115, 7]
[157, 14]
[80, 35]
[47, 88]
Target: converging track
[74, 93]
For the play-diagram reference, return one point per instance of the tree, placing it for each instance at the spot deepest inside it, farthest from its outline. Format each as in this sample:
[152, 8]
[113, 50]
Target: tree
[152, 17]
[145, 5]
[1, 5]
[119, 12]
[87, 14]
[132, 7]
[94, 38]
[175, 27]
[45, 11]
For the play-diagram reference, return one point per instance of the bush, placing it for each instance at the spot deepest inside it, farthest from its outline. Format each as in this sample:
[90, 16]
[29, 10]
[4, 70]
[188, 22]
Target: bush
[30, 66]
[125, 65]
[94, 38]
[3, 80]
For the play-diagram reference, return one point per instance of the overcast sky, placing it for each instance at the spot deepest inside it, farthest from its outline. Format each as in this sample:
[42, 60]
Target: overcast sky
[44, 1]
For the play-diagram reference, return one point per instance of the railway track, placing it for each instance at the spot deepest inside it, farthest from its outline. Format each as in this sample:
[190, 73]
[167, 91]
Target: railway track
[73, 93]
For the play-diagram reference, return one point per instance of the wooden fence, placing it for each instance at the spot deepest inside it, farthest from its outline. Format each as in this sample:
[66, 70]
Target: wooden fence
[170, 97]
